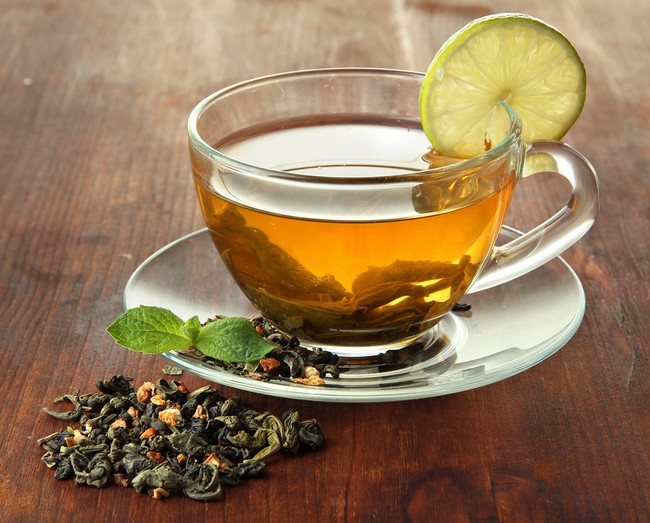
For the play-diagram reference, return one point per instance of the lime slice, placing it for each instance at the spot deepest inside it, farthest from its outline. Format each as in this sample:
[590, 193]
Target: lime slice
[511, 58]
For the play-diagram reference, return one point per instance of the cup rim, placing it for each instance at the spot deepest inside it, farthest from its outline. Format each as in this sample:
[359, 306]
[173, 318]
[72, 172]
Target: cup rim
[513, 134]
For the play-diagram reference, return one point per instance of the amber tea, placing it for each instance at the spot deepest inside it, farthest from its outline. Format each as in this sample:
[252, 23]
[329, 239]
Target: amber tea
[385, 268]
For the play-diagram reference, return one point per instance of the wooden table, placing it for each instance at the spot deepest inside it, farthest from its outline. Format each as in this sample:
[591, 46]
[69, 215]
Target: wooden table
[94, 178]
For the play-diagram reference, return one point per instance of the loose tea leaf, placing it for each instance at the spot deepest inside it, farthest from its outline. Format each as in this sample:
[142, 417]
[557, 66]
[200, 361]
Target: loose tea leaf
[126, 437]
[172, 370]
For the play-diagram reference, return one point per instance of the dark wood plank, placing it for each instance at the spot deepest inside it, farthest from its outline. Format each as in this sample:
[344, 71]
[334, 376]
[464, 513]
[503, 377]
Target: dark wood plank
[94, 175]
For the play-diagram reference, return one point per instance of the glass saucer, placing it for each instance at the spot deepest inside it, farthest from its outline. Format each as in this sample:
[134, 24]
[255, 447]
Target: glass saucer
[509, 328]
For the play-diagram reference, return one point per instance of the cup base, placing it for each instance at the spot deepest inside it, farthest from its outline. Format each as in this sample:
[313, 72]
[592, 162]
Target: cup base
[431, 347]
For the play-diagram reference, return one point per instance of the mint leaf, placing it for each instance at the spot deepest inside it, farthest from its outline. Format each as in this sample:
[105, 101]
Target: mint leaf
[232, 340]
[192, 328]
[152, 330]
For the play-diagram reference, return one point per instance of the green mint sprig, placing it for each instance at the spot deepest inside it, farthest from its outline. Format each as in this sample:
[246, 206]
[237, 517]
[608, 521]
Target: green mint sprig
[154, 330]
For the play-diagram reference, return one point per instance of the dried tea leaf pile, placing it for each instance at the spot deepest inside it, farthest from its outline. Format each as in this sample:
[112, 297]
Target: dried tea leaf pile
[288, 361]
[164, 439]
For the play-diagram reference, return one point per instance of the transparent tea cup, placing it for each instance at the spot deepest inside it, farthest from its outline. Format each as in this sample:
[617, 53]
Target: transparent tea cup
[342, 228]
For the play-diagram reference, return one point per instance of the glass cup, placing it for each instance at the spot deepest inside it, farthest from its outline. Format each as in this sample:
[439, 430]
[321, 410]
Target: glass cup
[339, 223]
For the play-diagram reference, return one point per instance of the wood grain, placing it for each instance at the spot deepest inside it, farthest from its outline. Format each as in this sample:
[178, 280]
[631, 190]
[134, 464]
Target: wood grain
[94, 177]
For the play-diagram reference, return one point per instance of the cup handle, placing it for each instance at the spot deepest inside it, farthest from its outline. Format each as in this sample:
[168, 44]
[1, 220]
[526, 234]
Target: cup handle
[555, 235]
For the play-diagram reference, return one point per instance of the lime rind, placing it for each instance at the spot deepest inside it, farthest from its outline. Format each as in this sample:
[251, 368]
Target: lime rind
[511, 57]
